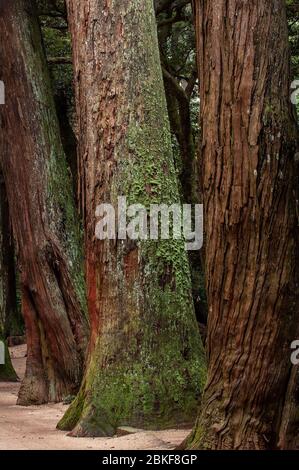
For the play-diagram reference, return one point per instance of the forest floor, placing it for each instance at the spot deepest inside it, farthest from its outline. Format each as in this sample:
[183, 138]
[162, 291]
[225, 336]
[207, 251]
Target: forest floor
[34, 427]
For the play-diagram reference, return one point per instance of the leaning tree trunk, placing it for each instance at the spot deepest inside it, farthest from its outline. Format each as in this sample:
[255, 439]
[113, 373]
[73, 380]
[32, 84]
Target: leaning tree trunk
[7, 285]
[250, 188]
[42, 213]
[146, 360]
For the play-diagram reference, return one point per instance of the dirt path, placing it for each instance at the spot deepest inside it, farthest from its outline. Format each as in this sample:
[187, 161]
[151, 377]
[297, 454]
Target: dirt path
[33, 428]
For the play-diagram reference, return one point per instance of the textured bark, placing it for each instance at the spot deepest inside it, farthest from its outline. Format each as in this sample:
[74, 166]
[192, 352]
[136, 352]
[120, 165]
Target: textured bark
[146, 360]
[7, 289]
[288, 438]
[42, 213]
[250, 184]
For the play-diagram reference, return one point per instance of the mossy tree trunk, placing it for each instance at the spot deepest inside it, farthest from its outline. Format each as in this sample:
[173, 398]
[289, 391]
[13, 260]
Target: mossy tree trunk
[7, 284]
[146, 362]
[250, 184]
[42, 212]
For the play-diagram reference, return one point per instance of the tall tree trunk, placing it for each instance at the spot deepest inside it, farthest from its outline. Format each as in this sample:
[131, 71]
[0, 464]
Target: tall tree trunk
[250, 183]
[42, 213]
[7, 288]
[146, 360]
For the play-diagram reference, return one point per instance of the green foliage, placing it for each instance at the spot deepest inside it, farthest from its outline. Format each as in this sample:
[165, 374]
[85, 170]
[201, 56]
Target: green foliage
[293, 23]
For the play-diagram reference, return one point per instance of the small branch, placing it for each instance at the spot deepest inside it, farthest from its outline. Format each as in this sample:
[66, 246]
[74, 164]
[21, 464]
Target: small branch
[178, 90]
[57, 27]
[59, 60]
[191, 84]
[162, 5]
[51, 14]
[168, 21]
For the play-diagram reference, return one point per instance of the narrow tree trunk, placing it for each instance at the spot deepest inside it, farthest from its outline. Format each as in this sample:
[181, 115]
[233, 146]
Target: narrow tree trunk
[7, 290]
[68, 139]
[178, 105]
[42, 213]
[146, 360]
[250, 188]
[12, 321]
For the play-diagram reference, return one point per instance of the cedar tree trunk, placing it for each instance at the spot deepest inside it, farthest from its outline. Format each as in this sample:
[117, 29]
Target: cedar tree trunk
[42, 213]
[250, 184]
[146, 364]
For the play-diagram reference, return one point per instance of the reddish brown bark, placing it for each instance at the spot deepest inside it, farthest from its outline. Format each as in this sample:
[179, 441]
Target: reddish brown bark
[250, 184]
[42, 213]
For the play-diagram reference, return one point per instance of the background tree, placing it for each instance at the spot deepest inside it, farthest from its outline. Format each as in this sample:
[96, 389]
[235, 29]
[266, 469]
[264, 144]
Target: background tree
[42, 213]
[57, 42]
[250, 187]
[177, 52]
[288, 431]
[13, 324]
[146, 365]
[176, 36]
[8, 305]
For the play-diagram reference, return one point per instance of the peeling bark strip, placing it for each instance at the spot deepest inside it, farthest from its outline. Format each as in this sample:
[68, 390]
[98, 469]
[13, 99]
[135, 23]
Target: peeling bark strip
[42, 213]
[146, 360]
[250, 193]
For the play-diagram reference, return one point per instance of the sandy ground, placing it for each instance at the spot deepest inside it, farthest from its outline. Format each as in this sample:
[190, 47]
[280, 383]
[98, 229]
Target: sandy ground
[33, 428]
